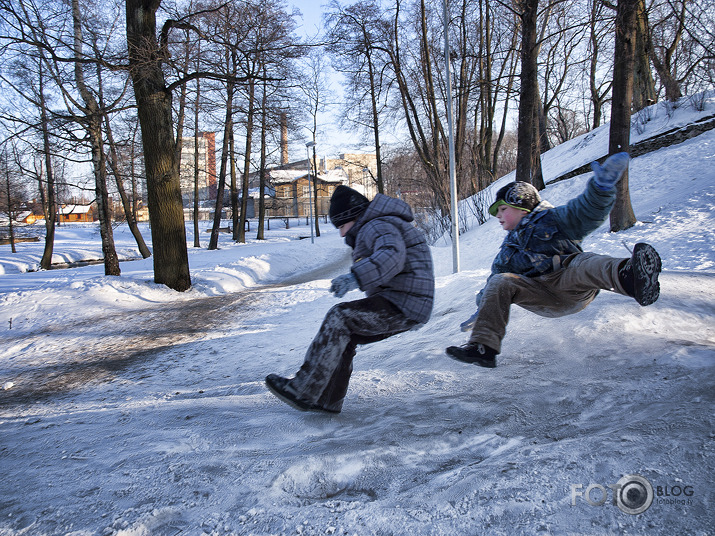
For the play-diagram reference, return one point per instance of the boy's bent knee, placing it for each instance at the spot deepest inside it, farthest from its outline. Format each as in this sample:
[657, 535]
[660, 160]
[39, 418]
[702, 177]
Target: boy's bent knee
[505, 280]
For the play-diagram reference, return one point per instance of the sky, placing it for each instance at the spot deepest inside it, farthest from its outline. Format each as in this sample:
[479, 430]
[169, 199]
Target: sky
[333, 138]
[312, 15]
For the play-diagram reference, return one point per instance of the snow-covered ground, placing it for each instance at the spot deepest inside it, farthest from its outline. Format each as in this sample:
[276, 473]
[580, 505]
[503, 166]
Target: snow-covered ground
[128, 409]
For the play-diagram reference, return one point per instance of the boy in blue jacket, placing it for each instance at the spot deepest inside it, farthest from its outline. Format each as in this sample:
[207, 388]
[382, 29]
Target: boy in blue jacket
[541, 266]
[392, 264]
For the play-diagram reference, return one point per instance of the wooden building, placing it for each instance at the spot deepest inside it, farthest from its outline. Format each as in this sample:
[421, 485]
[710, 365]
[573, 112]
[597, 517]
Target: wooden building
[292, 193]
[76, 213]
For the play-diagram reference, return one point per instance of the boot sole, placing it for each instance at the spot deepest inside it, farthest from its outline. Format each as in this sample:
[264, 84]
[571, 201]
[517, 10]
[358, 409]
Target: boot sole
[647, 266]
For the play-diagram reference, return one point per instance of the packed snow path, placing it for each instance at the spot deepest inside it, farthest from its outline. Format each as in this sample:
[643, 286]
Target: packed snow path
[62, 357]
[183, 438]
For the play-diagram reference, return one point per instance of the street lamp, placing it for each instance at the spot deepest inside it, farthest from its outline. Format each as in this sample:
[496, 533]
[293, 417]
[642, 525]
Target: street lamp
[452, 157]
[310, 193]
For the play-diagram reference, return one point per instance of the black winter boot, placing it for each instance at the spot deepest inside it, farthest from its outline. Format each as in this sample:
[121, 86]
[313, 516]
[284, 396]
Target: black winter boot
[280, 386]
[475, 353]
[639, 275]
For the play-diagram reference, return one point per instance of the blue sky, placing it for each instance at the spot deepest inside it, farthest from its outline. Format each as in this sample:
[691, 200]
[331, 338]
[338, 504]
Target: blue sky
[312, 11]
[333, 139]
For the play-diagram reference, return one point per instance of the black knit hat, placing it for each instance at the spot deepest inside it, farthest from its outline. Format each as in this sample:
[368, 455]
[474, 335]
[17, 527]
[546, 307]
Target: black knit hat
[346, 205]
[521, 195]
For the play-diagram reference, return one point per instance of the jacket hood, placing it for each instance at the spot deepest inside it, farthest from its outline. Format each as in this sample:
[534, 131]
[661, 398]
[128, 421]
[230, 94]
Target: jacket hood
[535, 214]
[381, 206]
[543, 205]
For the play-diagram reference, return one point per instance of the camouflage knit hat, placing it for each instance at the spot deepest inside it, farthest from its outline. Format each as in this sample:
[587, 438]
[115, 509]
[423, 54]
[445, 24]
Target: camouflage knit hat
[521, 195]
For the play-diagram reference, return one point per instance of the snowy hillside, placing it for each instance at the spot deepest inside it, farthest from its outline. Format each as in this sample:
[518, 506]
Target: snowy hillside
[127, 409]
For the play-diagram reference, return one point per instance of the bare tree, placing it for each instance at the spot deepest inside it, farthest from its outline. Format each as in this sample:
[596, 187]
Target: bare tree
[228, 33]
[12, 190]
[114, 160]
[421, 92]
[153, 97]
[357, 38]
[230, 58]
[644, 93]
[92, 123]
[528, 11]
[197, 107]
[249, 126]
[599, 86]
[314, 87]
[28, 77]
[622, 216]
[681, 44]
[496, 75]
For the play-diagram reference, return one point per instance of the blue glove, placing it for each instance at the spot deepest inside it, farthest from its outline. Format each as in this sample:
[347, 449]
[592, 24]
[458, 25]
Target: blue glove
[343, 284]
[607, 175]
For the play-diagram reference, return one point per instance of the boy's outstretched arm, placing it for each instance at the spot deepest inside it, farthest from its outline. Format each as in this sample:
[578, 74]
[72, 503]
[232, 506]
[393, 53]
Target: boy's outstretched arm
[585, 213]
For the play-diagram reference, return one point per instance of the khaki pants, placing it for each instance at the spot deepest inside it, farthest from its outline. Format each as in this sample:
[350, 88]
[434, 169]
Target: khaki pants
[562, 292]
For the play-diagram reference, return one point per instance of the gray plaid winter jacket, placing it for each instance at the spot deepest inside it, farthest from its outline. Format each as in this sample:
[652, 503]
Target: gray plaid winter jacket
[391, 257]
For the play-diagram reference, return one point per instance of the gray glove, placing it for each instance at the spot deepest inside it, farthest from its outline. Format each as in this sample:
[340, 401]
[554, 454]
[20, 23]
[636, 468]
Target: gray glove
[468, 324]
[607, 175]
[343, 284]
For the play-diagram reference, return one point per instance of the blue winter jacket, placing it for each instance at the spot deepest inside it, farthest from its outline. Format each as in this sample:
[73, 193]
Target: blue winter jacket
[391, 257]
[547, 235]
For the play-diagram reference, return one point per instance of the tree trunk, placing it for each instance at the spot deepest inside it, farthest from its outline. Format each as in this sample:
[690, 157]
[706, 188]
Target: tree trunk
[260, 235]
[235, 216]
[527, 100]
[171, 258]
[227, 129]
[315, 194]
[50, 203]
[375, 129]
[133, 172]
[93, 126]
[10, 212]
[104, 210]
[622, 216]
[197, 240]
[129, 211]
[597, 92]
[644, 93]
[537, 176]
[247, 159]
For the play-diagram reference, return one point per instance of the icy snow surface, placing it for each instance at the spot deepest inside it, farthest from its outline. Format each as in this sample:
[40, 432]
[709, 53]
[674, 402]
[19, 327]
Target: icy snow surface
[128, 409]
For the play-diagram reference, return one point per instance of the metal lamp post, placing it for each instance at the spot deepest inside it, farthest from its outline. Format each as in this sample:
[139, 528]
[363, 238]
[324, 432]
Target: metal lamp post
[452, 171]
[310, 192]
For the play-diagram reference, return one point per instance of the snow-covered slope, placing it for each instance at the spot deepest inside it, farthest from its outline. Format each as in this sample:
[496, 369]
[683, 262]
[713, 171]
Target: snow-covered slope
[128, 409]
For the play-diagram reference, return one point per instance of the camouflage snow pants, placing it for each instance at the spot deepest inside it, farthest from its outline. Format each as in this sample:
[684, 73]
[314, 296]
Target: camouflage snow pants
[563, 292]
[324, 376]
